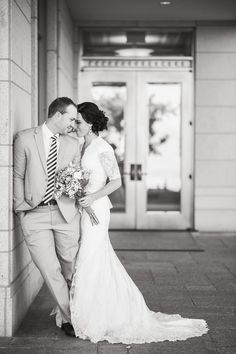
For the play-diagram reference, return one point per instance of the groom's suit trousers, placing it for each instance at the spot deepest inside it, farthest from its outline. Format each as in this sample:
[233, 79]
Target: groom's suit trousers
[53, 244]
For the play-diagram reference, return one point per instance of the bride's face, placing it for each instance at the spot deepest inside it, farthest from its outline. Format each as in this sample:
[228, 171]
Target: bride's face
[82, 126]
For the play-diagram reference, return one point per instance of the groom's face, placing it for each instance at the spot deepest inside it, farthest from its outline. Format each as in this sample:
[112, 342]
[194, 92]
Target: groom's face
[66, 120]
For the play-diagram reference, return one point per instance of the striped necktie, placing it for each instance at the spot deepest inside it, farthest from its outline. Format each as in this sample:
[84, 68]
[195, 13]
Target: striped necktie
[51, 168]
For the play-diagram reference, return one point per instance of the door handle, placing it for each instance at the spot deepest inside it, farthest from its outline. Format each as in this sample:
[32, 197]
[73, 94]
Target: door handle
[133, 172]
[139, 172]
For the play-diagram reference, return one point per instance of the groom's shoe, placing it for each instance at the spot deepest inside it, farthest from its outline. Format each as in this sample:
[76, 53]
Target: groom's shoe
[68, 329]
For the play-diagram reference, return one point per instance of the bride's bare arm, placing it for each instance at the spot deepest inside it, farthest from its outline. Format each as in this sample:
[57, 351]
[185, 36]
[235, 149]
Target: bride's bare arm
[110, 187]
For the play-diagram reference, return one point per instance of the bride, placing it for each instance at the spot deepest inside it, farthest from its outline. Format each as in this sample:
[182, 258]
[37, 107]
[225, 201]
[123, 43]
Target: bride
[105, 303]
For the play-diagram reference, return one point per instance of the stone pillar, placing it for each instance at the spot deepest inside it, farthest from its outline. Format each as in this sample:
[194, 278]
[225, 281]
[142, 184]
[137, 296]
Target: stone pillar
[60, 51]
[215, 140]
[52, 51]
[19, 278]
[34, 62]
[76, 56]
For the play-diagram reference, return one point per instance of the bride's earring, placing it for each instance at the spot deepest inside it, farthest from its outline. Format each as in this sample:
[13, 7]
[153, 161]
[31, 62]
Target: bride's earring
[90, 132]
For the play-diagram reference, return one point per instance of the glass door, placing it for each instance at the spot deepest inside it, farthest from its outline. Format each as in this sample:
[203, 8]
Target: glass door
[114, 92]
[151, 132]
[164, 150]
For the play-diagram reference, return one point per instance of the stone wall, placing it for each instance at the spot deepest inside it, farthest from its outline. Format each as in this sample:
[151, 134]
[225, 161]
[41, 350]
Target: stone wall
[215, 160]
[19, 279]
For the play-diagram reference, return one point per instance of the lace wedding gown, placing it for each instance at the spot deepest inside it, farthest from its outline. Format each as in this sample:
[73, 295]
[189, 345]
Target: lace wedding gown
[105, 303]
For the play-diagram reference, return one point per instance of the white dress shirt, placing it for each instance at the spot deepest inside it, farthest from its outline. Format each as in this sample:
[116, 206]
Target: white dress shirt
[47, 134]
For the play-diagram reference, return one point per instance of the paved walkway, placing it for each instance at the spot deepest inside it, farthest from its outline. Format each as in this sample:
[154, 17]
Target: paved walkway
[177, 273]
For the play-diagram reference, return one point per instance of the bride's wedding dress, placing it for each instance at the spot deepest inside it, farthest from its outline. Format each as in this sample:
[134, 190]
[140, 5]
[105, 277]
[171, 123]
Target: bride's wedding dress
[105, 302]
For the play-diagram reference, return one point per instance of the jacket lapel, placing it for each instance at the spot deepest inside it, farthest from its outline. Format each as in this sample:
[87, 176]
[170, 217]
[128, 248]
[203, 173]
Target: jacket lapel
[40, 146]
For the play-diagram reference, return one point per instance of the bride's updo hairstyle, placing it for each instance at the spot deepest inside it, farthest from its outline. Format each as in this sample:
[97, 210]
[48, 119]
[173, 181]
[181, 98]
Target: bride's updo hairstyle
[93, 115]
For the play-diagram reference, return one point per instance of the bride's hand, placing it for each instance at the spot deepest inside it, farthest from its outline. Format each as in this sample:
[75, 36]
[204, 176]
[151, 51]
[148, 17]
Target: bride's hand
[87, 200]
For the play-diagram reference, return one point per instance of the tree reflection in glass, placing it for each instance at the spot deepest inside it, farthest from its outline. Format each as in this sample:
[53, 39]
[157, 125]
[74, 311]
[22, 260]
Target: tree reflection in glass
[163, 180]
[111, 97]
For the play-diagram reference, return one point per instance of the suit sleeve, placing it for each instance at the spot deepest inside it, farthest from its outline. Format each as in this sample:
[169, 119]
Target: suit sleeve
[18, 173]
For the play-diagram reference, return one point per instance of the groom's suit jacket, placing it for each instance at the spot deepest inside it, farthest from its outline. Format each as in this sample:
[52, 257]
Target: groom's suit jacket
[30, 170]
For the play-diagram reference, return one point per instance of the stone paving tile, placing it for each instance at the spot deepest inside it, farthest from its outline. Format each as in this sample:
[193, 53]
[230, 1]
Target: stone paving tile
[218, 301]
[201, 290]
[65, 344]
[204, 258]
[224, 337]
[106, 348]
[150, 295]
[194, 310]
[172, 291]
[218, 269]
[194, 279]
[172, 287]
[217, 320]
[126, 257]
[173, 257]
[5, 341]
[226, 350]
[215, 277]
[176, 302]
[176, 296]
[140, 265]
[162, 267]
[231, 268]
[152, 348]
[167, 279]
[27, 350]
[47, 350]
[153, 305]
[140, 274]
[202, 268]
[225, 286]
[147, 288]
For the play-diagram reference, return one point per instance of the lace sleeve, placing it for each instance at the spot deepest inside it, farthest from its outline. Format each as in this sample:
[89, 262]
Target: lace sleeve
[109, 164]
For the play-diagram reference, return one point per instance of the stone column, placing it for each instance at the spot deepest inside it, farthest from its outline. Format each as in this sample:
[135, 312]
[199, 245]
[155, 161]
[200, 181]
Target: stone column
[19, 278]
[76, 56]
[52, 51]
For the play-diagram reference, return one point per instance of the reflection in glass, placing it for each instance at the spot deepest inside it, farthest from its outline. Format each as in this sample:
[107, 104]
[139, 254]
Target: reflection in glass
[163, 165]
[111, 98]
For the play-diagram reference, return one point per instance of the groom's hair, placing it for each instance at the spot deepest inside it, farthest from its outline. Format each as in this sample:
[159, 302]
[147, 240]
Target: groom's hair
[59, 105]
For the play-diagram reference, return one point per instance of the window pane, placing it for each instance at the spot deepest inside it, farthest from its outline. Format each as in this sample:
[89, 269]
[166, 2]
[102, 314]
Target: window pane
[164, 164]
[111, 97]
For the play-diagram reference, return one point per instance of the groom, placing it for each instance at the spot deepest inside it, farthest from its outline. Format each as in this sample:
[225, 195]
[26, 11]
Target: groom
[50, 227]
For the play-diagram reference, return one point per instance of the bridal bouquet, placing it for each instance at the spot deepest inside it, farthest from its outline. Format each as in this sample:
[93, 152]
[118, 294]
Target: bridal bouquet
[71, 181]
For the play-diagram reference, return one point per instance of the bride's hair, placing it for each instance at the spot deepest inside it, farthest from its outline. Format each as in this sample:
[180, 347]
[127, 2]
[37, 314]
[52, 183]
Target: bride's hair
[93, 115]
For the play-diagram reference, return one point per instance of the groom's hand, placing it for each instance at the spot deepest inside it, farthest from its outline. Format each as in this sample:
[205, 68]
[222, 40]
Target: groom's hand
[92, 215]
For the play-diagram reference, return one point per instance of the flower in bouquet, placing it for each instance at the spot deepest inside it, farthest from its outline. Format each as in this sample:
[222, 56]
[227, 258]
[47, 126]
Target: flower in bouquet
[71, 181]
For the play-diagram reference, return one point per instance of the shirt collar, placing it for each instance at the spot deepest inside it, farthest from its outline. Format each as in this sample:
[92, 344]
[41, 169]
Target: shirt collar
[47, 132]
